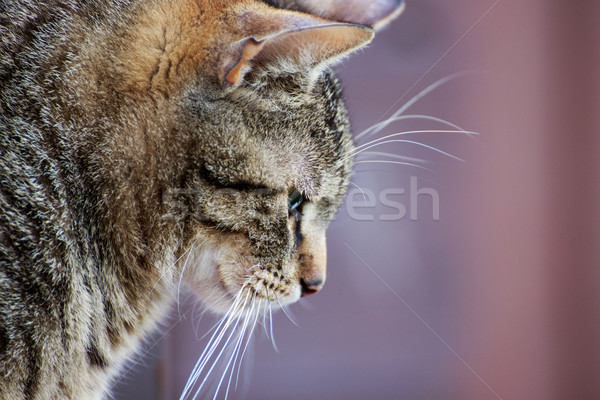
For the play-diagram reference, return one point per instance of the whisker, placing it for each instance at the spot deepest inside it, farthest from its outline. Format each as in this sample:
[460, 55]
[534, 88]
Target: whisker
[393, 162]
[264, 321]
[195, 371]
[236, 350]
[246, 346]
[215, 325]
[420, 95]
[226, 295]
[231, 358]
[416, 144]
[234, 358]
[271, 323]
[167, 270]
[191, 249]
[229, 343]
[196, 321]
[372, 129]
[404, 133]
[207, 347]
[362, 191]
[216, 360]
[287, 308]
[391, 155]
[244, 307]
[214, 341]
[286, 313]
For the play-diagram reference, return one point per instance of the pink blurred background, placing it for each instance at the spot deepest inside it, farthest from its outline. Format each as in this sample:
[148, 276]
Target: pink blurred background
[500, 297]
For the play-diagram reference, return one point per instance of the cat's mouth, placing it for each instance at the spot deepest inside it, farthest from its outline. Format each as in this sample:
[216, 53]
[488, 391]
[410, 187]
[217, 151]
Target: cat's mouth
[264, 284]
[221, 276]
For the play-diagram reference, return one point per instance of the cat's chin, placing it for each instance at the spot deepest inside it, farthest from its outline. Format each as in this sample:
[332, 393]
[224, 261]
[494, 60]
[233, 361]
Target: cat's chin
[224, 287]
[222, 302]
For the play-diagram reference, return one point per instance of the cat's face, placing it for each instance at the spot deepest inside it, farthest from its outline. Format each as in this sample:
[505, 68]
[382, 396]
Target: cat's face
[260, 152]
[274, 171]
[257, 114]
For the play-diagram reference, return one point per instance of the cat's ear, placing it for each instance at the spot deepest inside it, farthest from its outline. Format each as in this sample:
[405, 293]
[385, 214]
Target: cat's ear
[289, 41]
[373, 13]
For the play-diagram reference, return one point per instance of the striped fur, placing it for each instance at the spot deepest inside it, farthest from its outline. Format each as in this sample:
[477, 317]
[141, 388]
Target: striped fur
[127, 148]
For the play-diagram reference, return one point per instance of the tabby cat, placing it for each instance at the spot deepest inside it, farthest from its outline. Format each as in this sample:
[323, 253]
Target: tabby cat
[148, 142]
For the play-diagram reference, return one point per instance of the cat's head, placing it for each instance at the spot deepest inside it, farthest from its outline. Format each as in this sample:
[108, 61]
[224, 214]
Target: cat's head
[261, 133]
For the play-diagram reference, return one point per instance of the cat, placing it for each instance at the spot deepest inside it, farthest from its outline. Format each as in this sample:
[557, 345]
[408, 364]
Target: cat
[148, 142]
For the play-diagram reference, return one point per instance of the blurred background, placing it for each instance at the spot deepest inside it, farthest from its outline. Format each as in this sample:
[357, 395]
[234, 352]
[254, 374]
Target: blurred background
[488, 287]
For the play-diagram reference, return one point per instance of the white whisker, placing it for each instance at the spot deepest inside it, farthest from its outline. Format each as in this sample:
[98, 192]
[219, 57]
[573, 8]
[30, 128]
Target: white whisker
[213, 343]
[393, 162]
[214, 325]
[286, 313]
[384, 140]
[362, 191]
[271, 323]
[416, 144]
[264, 321]
[257, 312]
[372, 130]
[191, 249]
[193, 376]
[167, 270]
[391, 155]
[290, 312]
[404, 133]
[236, 350]
[416, 98]
[216, 360]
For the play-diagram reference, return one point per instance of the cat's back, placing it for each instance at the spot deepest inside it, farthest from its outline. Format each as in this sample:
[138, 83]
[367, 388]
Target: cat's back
[42, 294]
[34, 211]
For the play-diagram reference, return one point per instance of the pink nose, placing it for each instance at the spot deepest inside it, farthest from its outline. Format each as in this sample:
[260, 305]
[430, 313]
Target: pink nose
[311, 286]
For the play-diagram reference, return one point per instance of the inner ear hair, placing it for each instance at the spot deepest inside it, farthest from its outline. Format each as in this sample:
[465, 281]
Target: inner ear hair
[303, 42]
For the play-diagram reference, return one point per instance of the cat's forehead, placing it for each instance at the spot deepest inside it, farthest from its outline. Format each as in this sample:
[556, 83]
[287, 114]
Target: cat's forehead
[277, 155]
[279, 136]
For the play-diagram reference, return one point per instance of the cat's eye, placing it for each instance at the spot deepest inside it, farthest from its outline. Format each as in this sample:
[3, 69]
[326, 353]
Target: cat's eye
[295, 198]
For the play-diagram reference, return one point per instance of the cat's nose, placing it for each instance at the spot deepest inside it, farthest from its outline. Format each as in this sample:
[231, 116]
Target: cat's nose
[312, 260]
[311, 286]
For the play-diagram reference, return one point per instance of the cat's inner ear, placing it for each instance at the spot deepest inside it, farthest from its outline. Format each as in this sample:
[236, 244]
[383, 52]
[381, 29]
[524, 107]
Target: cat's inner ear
[373, 13]
[289, 42]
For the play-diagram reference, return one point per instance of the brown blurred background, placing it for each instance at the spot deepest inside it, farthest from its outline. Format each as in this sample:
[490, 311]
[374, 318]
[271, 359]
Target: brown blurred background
[497, 299]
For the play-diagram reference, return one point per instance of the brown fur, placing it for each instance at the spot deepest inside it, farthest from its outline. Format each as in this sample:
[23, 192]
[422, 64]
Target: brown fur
[137, 135]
